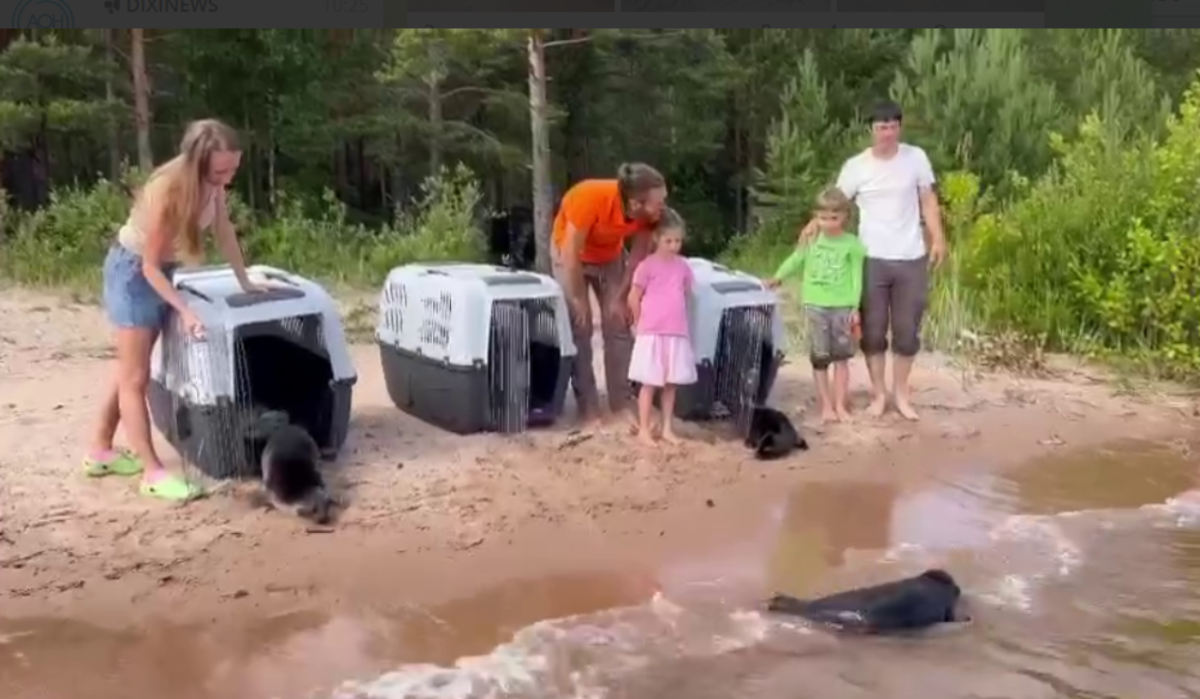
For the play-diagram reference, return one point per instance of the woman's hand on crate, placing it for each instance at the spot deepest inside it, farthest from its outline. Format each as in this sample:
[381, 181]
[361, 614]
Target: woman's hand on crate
[251, 287]
[192, 325]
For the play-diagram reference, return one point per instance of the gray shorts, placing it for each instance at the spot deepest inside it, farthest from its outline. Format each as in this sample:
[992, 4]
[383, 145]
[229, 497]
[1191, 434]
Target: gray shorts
[895, 294]
[830, 335]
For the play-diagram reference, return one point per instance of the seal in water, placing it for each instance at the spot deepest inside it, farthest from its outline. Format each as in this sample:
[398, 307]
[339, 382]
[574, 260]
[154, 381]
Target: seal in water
[772, 434]
[910, 604]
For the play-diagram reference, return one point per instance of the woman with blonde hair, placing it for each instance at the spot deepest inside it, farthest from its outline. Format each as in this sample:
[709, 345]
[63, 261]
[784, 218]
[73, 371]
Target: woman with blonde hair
[182, 199]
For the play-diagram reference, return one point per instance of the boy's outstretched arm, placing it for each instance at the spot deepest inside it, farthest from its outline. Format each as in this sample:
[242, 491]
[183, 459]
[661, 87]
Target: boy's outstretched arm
[792, 265]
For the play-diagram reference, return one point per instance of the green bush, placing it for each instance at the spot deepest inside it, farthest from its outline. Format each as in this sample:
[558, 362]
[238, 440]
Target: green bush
[65, 243]
[1101, 254]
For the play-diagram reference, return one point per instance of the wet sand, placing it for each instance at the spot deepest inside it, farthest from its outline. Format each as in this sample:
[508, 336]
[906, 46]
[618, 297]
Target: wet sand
[464, 540]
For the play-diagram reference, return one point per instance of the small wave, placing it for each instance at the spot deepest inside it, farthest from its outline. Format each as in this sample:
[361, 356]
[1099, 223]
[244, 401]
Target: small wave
[575, 657]
[578, 657]
[1047, 549]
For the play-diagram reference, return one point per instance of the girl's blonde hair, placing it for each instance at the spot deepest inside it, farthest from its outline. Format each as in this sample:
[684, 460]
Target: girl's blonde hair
[833, 199]
[670, 220]
[179, 183]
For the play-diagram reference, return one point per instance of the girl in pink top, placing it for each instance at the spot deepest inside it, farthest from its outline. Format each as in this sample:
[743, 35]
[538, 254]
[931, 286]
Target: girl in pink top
[662, 353]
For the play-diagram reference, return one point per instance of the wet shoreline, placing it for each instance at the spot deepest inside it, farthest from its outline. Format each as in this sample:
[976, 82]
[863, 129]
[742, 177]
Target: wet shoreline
[388, 570]
[493, 589]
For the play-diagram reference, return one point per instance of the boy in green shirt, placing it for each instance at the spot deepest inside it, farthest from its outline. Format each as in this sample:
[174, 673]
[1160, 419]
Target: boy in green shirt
[831, 290]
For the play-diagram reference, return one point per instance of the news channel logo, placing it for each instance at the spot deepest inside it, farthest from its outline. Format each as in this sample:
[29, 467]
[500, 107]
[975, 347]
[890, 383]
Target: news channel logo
[43, 14]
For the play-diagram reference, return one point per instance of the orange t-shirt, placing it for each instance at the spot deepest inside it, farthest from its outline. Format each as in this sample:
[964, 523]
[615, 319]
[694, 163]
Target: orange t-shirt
[595, 207]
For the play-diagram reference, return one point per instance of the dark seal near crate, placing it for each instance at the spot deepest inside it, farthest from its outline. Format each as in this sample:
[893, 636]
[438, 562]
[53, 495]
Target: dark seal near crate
[281, 364]
[772, 434]
[291, 476]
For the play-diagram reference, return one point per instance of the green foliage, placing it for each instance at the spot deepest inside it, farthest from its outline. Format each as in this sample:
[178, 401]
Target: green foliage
[1101, 254]
[49, 84]
[972, 99]
[319, 240]
[65, 242]
[1084, 240]
[805, 149]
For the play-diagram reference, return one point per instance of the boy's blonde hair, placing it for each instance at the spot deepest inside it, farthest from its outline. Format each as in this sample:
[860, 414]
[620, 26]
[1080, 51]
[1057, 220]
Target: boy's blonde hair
[179, 182]
[833, 199]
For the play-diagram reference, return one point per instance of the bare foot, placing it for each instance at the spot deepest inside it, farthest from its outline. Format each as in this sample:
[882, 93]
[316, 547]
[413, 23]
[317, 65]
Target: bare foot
[828, 415]
[646, 438]
[671, 438]
[589, 417]
[878, 406]
[843, 414]
[905, 408]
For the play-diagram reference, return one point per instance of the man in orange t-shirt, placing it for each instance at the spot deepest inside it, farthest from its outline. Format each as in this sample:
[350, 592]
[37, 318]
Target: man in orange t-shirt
[593, 222]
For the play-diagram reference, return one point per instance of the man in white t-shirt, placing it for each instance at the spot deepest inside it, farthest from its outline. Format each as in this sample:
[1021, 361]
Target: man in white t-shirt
[893, 185]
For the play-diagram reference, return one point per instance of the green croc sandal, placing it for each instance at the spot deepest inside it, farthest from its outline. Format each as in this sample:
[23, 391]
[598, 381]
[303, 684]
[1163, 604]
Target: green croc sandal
[121, 462]
[173, 488]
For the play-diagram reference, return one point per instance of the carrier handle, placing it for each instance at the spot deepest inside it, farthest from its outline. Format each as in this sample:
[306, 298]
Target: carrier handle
[280, 277]
[184, 286]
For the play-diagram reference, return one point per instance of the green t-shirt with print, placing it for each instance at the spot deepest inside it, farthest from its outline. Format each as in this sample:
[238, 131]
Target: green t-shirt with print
[832, 271]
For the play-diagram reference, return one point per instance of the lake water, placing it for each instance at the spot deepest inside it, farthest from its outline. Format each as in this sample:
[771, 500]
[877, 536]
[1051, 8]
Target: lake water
[1082, 573]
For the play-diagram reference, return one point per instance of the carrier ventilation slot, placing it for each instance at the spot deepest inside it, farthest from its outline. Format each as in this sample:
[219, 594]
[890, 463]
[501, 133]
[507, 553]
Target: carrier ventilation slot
[739, 362]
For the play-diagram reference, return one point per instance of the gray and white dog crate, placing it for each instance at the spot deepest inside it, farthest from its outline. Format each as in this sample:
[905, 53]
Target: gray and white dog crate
[738, 338]
[281, 350]
[475, 348]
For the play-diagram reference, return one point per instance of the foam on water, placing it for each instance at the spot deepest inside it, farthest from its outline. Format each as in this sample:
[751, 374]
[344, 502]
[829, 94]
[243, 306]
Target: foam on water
[574, 657]
[579, 657]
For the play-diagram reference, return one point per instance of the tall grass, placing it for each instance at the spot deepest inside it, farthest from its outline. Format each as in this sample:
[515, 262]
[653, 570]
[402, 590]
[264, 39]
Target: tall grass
[64, 244]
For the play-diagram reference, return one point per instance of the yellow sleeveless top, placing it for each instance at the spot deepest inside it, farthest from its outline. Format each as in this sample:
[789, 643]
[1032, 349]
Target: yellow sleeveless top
[132, 236]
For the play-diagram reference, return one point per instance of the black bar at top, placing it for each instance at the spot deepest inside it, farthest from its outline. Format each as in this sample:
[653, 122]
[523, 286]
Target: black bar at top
[941, 5]
[725, 6]
[1094, 15]
[555, 6]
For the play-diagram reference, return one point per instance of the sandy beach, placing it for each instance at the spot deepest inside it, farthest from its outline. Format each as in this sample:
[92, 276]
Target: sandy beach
[432, 516]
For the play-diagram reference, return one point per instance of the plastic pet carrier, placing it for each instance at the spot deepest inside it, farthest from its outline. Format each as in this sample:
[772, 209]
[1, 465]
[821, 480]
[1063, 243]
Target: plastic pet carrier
[738, 338]
[475, 348]
[281, 350]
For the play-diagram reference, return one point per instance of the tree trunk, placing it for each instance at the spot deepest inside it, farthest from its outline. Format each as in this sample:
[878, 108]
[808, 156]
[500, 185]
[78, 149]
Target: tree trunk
[270, 148]
[543, 195]
[141, 99]
[114, 131]
[398, 184]
[435, 128]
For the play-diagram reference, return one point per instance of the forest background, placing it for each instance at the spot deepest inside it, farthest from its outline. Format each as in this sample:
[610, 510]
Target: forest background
[1068, 160]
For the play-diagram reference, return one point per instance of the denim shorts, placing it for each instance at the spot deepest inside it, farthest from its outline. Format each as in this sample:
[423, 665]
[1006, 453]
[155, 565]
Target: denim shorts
[129, 300]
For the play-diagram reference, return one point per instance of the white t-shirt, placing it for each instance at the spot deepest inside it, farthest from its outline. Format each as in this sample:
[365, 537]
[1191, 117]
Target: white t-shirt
[888, 194]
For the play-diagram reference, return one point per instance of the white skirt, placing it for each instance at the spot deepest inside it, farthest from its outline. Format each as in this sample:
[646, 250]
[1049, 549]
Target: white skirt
[658, 360]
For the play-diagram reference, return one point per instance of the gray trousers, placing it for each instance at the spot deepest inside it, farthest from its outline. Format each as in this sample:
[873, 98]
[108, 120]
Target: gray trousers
[895, 295]
[605, 282]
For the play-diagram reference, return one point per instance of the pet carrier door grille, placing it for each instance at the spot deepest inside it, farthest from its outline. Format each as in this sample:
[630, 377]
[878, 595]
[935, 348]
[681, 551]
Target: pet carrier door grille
[231, 437]
[515, 326]
[739, 360]
[508, 367]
